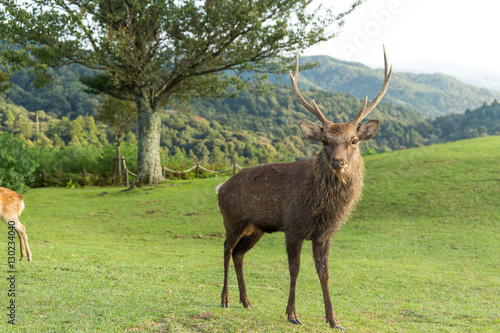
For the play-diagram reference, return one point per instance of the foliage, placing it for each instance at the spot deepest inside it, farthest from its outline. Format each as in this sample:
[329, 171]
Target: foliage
[370, 151]
[152, 51]
[249, 129]
[16, 166]
[4, 81]
[431, 95]
[119, 114]
[274, 119]
[64, 97]
[51, 131]
[419, 254]
[483, 121]
[180, 43]
[66, 164]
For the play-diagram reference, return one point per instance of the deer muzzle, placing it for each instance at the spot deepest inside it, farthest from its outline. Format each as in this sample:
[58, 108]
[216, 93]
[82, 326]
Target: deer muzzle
[338, 165]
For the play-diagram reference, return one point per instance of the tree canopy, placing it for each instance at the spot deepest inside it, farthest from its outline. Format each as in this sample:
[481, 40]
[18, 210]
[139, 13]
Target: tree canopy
[152, 50]
[16, 167]
[4, 81]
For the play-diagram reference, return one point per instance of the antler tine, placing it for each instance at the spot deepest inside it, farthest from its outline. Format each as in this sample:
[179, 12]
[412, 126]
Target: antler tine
[387, 77]
[362, 109]
[314, 109]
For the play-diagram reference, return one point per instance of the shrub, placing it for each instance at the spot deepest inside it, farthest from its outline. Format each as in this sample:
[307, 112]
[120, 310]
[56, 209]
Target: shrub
[16, 165]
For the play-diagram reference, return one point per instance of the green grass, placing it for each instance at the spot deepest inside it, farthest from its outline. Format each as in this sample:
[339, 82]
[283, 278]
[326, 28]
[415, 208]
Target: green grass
[420, 254]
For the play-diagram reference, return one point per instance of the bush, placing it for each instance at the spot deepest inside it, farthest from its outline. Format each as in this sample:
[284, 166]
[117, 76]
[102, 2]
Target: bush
[369, 151]
[64, 166]
[16, 165]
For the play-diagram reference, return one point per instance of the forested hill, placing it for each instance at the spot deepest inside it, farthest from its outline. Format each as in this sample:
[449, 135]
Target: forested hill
[253, 128]
[431, 94]
[276, 116]
[65, 97]
[250, 128]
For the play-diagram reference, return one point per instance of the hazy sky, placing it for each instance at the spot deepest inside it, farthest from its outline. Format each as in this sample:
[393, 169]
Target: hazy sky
[452, 36]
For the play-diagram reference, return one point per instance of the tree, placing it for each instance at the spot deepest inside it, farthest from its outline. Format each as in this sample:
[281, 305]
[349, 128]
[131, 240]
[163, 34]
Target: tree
[16, 167]
[156, 51]
[120, 115]
[4, 81]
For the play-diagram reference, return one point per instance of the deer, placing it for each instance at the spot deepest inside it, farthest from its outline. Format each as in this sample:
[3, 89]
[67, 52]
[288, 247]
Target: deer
[11, 206]
[306, 200]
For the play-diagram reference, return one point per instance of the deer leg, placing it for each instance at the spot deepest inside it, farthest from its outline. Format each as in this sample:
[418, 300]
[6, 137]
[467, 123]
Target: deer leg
[293, 249]
[321, 250]
[243, 246]
[23, 240]
[225, 288]
[230, 242]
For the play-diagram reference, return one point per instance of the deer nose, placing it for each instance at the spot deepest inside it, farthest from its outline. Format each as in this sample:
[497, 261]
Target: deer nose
[338, 164]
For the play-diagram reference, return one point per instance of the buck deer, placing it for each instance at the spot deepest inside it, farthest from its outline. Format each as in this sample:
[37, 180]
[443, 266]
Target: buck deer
[11, 206]
[307, 200]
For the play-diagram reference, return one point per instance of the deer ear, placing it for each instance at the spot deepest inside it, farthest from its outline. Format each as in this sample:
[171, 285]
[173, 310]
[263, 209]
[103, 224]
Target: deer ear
[311, 131]
[366, 131]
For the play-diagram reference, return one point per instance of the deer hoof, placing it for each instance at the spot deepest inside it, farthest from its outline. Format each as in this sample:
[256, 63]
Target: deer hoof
[296, 321]
[225, 305]
[340, 328]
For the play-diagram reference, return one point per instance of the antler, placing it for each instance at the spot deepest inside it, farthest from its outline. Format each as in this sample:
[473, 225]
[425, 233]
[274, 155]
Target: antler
[365, 111]
[311, 108]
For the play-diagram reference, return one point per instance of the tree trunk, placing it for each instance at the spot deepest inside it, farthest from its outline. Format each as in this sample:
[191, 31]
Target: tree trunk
[119, 163]
[148, 162]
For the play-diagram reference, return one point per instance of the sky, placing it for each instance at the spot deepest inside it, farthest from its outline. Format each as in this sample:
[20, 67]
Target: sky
[456, 37]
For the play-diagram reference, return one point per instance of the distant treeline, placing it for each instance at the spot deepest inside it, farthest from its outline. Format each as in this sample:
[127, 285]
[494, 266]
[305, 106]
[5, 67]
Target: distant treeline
[432, 95]
[249, 129]
[66, 96]
[252, 128]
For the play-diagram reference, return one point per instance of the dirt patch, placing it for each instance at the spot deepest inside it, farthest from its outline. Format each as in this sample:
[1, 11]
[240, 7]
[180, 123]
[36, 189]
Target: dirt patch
[213, 235]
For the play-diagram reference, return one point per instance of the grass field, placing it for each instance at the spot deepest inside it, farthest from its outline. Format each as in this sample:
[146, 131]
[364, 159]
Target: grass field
[421, 253]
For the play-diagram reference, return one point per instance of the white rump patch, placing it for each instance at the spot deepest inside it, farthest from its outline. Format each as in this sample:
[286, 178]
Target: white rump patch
[218, 187]
[217, 191]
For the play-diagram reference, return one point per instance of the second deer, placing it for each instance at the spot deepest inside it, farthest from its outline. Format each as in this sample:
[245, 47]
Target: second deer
[11, 206]
[307, 200]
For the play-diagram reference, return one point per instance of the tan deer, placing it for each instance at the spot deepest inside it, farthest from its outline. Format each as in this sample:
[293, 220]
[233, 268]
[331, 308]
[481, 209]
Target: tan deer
[307, 200]
[11, 206]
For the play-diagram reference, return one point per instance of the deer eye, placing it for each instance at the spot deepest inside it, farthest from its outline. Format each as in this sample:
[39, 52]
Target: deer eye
[354, 142]
[323, 141]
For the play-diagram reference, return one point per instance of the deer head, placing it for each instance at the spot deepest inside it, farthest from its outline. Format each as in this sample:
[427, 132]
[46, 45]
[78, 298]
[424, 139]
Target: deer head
[340, 140]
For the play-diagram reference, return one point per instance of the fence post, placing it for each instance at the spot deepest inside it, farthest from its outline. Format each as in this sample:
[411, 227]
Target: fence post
[126, 177]
[163, 171]
[84, 176]
[197, 169]
[43, 179]
[234, 168]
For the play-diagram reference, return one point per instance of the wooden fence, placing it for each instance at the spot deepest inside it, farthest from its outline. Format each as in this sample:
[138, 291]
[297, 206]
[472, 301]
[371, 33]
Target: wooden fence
[118, 177]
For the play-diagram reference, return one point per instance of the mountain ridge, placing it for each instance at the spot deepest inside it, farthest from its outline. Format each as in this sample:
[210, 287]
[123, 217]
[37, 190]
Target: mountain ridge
[431, 94]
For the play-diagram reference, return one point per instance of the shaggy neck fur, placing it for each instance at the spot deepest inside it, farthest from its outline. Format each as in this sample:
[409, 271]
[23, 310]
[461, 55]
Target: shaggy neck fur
[333, 195]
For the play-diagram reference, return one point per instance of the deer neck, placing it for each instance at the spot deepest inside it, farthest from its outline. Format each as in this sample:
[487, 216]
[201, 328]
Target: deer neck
[333, 195]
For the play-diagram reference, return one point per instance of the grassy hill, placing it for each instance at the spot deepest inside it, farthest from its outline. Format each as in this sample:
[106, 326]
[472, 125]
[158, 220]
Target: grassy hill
[419, 254]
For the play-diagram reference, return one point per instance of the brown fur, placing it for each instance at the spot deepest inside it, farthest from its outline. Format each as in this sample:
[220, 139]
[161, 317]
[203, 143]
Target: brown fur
[307, 200]
[11, 206]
